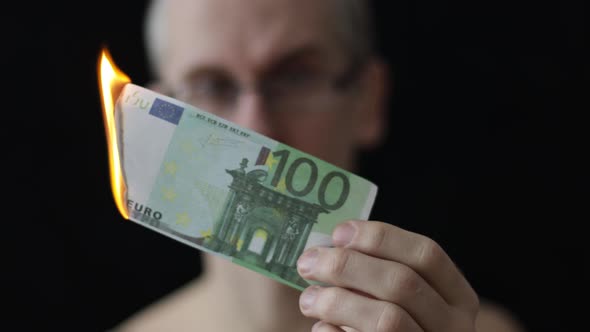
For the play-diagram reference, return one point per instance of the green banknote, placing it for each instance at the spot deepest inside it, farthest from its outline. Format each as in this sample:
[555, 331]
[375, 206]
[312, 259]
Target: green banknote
[227, 190]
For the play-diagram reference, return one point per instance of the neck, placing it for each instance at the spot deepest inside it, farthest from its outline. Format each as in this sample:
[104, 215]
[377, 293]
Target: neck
[257, 303]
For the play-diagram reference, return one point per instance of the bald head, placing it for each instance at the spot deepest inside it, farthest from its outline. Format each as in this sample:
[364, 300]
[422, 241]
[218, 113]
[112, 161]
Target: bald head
[349, 22]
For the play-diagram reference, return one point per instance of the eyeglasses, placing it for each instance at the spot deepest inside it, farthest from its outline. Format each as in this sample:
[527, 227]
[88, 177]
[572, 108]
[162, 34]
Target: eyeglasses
[286, 90]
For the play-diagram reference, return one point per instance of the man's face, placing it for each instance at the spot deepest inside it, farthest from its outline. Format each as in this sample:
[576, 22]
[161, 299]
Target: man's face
[271, 66]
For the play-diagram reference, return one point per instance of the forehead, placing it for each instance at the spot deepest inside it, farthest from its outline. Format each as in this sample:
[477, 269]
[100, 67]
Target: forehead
[251, 34]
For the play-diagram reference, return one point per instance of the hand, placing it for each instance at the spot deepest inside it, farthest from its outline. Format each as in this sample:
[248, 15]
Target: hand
[384, 279]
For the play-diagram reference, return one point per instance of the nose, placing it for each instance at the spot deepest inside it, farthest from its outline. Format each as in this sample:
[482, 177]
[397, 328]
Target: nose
[251, 112]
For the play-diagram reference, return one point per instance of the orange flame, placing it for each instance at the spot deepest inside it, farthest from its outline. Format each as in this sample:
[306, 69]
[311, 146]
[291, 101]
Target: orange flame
[111, 82]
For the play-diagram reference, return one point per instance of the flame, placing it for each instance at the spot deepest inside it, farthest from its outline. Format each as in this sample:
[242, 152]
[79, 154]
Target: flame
[111, 82]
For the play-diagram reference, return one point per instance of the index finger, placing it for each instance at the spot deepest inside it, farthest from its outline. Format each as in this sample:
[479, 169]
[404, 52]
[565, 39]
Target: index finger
[416, 251]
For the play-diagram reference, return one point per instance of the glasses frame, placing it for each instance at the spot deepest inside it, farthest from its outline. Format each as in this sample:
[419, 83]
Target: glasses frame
[319, 88]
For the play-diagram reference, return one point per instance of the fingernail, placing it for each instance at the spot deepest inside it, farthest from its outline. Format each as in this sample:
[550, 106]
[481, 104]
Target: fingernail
[317, 326]
[308, 297]
[307, 260]
[343, 234]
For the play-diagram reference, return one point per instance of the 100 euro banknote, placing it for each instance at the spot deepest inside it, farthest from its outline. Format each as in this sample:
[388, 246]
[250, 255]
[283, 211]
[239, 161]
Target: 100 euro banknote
[227, 190]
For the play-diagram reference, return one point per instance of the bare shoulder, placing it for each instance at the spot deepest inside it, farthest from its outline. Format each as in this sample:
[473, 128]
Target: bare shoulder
[494, 318]
[175, 312]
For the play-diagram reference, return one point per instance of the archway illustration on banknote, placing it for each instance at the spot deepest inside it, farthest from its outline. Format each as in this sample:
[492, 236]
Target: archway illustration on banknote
[261, 227]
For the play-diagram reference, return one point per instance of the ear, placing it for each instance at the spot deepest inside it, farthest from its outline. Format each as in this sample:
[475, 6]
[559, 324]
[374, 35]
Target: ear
[372, 107]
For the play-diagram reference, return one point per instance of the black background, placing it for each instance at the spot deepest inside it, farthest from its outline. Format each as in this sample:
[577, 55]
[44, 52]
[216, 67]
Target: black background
[474, 158]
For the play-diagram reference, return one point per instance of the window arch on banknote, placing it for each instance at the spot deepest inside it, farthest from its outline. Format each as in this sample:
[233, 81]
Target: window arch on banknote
[279, 224]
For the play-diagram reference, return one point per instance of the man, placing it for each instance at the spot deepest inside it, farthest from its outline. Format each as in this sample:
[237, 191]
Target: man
[304, 73]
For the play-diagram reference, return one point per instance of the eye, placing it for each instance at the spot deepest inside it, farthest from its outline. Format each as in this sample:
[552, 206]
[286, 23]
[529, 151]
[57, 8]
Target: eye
[212, 88]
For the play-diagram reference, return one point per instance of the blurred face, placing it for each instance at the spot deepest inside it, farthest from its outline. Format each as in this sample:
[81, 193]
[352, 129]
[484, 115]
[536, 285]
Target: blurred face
[274, 66]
